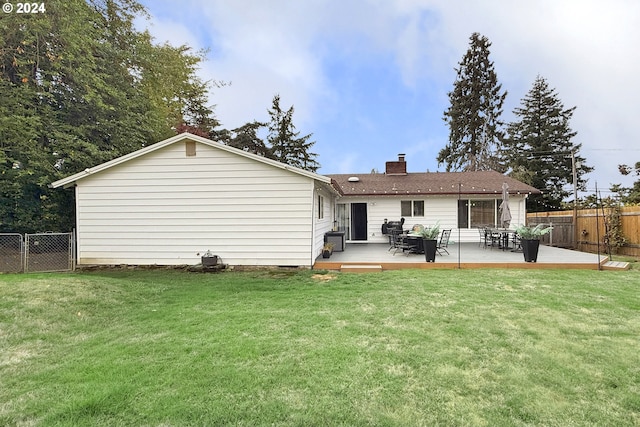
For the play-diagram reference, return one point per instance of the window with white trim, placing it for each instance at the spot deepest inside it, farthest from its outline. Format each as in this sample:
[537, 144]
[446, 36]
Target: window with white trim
[476, 213]
[411, 208]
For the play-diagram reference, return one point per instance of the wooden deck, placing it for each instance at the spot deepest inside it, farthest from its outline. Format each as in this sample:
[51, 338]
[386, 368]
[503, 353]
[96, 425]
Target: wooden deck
[378, 257]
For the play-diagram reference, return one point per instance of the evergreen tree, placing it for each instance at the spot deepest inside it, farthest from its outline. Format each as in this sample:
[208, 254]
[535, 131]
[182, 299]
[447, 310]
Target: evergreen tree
[246, 139]
[539, 149]
[629, 196]
[474, 114]
[286, 145]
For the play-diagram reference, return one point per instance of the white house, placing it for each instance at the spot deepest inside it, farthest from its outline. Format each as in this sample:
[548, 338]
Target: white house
[169, 203]
[455, 200]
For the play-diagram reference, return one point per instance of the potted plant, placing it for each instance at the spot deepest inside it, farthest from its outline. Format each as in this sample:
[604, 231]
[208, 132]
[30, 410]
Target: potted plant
[430, 241]
[327, 250]
[530, 240]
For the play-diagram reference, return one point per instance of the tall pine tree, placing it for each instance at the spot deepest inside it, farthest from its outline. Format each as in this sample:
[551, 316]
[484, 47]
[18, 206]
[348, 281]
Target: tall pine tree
[286, 145]
[474, 114]
[539, 146]
[246, 138]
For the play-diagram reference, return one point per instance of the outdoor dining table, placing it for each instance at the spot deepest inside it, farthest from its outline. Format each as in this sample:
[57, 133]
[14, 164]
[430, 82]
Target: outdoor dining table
[506, 234]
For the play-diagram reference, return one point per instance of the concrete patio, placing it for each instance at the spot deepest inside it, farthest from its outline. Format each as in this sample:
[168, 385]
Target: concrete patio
[378, 257]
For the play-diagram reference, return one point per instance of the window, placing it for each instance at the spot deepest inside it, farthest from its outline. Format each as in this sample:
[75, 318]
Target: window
[483, 212]
[476, 213]
[412, 208]
[320, 207]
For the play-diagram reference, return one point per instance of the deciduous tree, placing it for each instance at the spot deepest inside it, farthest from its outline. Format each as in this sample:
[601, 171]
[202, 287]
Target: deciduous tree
[79, 85]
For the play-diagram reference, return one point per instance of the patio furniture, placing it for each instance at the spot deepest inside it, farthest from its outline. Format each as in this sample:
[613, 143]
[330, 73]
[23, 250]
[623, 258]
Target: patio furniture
[337, 238]
[491, 238]
[517, 243]
[443, 242]
[502, 237]
[389, 227]
[395, 238]
[483, 240]
[409, 244]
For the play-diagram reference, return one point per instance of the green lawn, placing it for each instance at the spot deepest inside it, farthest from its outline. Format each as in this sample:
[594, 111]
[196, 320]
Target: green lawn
[298, 348]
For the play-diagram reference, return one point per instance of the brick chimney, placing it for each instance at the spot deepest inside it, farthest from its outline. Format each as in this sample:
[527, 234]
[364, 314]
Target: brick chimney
[396, 168]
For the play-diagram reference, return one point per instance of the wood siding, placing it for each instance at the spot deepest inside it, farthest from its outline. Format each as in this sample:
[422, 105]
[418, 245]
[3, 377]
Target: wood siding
[168, 208]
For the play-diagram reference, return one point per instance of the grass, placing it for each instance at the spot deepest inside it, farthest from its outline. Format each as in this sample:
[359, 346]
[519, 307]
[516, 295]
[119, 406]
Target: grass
[294, 348]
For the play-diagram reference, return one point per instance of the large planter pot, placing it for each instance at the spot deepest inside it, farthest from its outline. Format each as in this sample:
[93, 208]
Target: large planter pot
[530, 250]
[430, 247]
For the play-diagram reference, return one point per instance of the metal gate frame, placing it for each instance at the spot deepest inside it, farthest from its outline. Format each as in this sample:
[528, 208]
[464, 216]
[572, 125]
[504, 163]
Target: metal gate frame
[45, 254]
[6, 253]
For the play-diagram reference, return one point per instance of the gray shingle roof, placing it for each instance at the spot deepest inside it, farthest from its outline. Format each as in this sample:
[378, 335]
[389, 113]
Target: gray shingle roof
[435, 183]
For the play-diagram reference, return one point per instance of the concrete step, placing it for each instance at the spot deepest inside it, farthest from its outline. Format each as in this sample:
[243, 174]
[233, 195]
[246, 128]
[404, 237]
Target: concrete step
[616, 265]
[363, 268]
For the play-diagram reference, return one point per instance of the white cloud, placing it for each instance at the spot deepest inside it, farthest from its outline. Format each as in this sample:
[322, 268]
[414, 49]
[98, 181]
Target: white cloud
[321, 56]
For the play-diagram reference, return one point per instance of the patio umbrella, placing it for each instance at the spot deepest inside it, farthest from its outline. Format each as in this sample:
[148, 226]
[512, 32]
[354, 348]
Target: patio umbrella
[505, 212]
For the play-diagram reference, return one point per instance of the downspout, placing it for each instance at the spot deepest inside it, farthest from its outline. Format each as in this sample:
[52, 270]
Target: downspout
[313, 223]
[76, 249]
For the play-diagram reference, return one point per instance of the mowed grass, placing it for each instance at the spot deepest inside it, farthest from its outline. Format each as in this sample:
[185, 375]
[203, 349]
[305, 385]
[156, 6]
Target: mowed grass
[298, 348]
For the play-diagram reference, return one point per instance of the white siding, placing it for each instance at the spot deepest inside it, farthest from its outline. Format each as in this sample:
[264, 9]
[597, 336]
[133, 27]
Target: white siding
[324, 224]
[166, 208]
[437, 209]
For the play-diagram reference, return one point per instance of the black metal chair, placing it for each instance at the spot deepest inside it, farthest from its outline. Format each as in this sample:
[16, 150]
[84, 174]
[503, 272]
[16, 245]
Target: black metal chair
[396, 239]
[491, 239]
[443, 243]
[401, 243]
[391, 232]
[517, 243]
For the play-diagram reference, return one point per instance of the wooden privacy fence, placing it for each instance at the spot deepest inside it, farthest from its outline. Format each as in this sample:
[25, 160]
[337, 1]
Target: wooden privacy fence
[591, 229]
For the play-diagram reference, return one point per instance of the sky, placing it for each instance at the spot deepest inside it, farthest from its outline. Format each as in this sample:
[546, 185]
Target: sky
[369, 78]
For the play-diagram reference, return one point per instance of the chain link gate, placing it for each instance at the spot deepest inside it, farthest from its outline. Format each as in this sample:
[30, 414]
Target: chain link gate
[11, 253]
[49, 252]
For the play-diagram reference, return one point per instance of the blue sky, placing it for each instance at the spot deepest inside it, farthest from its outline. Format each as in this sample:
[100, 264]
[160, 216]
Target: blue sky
[369, 78]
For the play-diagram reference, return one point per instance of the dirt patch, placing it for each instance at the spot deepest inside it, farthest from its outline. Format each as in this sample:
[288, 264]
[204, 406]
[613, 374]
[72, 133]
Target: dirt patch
[323, 277]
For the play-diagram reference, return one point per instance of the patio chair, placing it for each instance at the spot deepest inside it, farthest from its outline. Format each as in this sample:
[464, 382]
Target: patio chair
[395, 238]
[443, 243]
[491, 239]
[403, 244]
[517, 244]
[483, 236]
